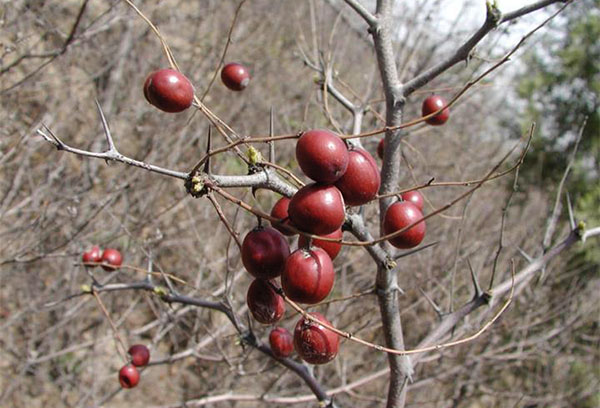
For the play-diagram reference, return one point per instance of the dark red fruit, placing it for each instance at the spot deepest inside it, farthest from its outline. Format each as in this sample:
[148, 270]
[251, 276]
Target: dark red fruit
[129, 376]
[308, 275]
[360, 183]
[402, 214]
[414, 197]
[332, 248]
[169, 90]
[264, 252]
[140, 355]
[380, 148]
[264, 303]
[317, 209]
[111, 259]
[280, 210]
[235, 76]
[92, 256]
[322, 155]
[282, 342]
[314, 343]
[432, 104]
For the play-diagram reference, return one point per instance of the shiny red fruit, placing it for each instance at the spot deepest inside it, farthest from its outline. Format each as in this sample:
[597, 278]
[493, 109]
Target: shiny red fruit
[264, 252]
[322, 155]
[402, 214]
[414, 197]
[264, 303]
[314, 343]
[432, 104]
[129, 376]
[235, 76]
[111, 259]
[361, 182]
[332, 248]
[140, 355]
[308, 275]
[317, 209]
[282, 342]
[169, 90]
[380, 148]
[94, 255]
[280, 210]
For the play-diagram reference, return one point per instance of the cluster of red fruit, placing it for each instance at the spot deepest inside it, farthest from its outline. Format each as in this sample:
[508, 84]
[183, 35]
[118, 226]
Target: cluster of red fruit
[109, 259]
[170, 91]
[129, 376]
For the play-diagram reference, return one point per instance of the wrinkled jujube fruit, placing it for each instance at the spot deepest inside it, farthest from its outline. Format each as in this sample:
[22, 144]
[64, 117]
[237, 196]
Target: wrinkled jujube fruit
[169, 90]
[264, 252]
[280, 210]
[111, 259]
[140, 355]
[317, 209]
[432, 104]
[361, 182]
[414, 197]
[235, 76]
[314, 343]
[281, 342]
[264, 303]
[129, 376]
[308, 275]
[94, 255]
[322, 155]
[399, 215]
[332, 248]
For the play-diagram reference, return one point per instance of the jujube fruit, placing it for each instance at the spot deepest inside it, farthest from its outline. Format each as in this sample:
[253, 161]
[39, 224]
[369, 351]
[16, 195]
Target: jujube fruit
[140, 355]
[111, 259]
[361, 182]
[235, 76]
[280, 210]
[332, 248]
[322, 155]
[432, 104]
[264, 252]
[308, 275]
[129, 376]
[414, 197]
[169, 90]
[317, 209]
[264, 303]
[92, 256]
[400, 215]
[281, 342]
[314, 343]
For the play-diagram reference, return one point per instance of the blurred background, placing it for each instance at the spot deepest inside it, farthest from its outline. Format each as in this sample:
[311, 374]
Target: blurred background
[60, 351]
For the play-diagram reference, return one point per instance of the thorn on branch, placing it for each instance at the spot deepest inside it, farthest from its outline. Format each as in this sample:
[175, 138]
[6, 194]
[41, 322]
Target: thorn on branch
[525, 255]
[474, 280]
[432, 303]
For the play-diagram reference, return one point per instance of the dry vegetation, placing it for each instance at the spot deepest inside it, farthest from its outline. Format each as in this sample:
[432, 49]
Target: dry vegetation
[54, 205]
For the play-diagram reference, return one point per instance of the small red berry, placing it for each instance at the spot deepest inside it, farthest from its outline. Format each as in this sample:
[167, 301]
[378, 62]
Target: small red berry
[264, 303]
[111, 259]
[414, 197]
[400, 215]
[308, 275]
[360, 183]
[314, 343]
[140, 355]
[282, 342]
[129, 376]
[264, 252]
[317, 209]
[432, 104]
[169, 90]
[332, 248]
[235, 76]
[322, 155]
[280, 210]
[92, 256]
